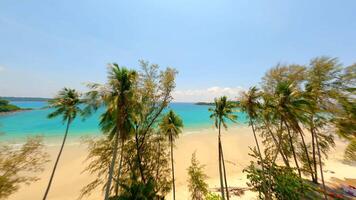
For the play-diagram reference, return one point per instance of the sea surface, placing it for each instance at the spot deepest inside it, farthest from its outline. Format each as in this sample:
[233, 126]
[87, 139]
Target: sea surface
[19, 125]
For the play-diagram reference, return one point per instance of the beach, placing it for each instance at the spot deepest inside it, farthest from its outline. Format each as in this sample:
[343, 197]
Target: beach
[69, 178]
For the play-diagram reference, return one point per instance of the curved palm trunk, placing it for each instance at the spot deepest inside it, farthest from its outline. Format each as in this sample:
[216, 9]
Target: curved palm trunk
[220, 167]
[172, 159]
[314, 156]
[306, 153]
[138, 157]
[260, 155]
[224, 170]
[57, 160]
[293, 151]
[279, 147]
[112, 165]
[320, 165]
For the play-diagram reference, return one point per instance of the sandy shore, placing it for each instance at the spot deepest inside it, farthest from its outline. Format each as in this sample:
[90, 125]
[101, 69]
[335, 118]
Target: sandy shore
[69, 179]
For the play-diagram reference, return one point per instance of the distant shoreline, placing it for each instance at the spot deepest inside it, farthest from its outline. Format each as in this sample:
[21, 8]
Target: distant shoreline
[26, 99]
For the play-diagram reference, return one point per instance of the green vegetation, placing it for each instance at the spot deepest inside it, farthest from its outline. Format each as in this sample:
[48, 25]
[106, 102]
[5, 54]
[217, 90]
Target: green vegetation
[294, 115]
[5, 106]
[134, 103]
[171, 126]
[295, 101]
[223, 110]
[66, 104]
[197, 180]
[18, 164]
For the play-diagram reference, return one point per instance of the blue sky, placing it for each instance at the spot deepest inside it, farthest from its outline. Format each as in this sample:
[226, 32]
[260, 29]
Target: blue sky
[217, 46]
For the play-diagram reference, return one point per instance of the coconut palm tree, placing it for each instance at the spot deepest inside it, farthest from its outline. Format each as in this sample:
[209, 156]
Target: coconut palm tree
[171, 126]
[223, 110]
[292, 108]
[249, 103]
[116, 95]
[66, 104]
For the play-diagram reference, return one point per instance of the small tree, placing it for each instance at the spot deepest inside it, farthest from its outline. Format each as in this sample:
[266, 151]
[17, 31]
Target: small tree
[197, 185]
[17, 165]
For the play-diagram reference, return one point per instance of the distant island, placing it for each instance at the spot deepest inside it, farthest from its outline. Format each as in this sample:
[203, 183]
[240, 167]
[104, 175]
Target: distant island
[25, 98]
[6, 107]
[212, 103]
[204, 104]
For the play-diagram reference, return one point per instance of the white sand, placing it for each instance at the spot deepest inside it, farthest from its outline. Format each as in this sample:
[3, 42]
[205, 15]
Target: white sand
[69, 180]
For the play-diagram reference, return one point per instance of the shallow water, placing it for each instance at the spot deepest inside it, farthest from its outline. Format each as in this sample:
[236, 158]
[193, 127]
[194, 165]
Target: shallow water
[34, 122]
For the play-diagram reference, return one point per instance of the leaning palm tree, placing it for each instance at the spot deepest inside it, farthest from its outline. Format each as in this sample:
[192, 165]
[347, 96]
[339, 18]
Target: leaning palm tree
[66, 104]
[222, 111]
[116, 95]
[249, 103]
[292, 108]
[171, 126]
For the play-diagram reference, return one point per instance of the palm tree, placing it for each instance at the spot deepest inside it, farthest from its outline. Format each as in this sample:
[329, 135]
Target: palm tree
[66, 104]
[171, 126]
[116, 96]
[249, 103]
[292, 108]
[222, 111]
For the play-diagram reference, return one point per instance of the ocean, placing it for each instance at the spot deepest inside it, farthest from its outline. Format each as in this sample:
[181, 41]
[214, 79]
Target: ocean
[19, 125]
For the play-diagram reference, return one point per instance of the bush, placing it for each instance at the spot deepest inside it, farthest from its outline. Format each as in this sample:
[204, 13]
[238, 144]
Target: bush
[282, 182]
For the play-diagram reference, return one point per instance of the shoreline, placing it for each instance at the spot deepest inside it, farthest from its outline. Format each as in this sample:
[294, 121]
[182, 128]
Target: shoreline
[236, 142]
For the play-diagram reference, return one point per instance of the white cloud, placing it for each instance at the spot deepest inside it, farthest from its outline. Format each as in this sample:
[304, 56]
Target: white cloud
[206, 95]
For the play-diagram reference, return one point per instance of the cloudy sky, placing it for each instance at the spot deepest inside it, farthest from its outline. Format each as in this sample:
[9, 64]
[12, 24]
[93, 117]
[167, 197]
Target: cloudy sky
[219, 47]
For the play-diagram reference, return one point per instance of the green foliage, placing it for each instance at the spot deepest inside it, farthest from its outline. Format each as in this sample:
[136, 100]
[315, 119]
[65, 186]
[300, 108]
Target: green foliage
[350, 152]
[212, 196]
[19, 164]
[284, 182]
[6, 107]
[223, 110]
[138, 191]
[197, 180]
[171, 125]
[66, 104]
[3, 102]
[155, 163]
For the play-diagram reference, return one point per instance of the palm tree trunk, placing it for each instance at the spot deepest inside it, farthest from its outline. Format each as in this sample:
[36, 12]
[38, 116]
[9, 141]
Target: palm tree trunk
[158, 157]
[279, 147]
[293, 151]
[57, 160]
[260, 155]
[220, 168]
[320, 165]
[172, 159]
[306, 152]
[224, 170]
[120, 165]
[314, 155]
[112, 165]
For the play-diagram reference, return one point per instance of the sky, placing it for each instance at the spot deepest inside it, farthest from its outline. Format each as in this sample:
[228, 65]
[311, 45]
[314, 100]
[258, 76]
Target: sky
[219, 47]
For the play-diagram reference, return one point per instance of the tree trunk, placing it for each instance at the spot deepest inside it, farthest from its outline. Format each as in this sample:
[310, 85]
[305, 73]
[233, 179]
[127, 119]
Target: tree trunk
[261, 159]
[112, 165]
[321, 166]
[315, 180]
[220, 168]
[172, 160]
[293, 151]
[139, 160]
[120, 164]
[279, 147]
[306, 152]
[57, 160]
[224, 170]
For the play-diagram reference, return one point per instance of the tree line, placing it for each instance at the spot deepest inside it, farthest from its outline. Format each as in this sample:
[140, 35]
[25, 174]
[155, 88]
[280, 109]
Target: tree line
[294, 114]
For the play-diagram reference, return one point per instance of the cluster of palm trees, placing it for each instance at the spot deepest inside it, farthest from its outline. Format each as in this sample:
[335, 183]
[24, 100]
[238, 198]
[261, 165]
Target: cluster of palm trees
[295, 103]
[133, 104]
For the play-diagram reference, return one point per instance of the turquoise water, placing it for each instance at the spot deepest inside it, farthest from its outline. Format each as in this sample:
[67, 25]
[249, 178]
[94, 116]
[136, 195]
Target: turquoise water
[35, 122]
